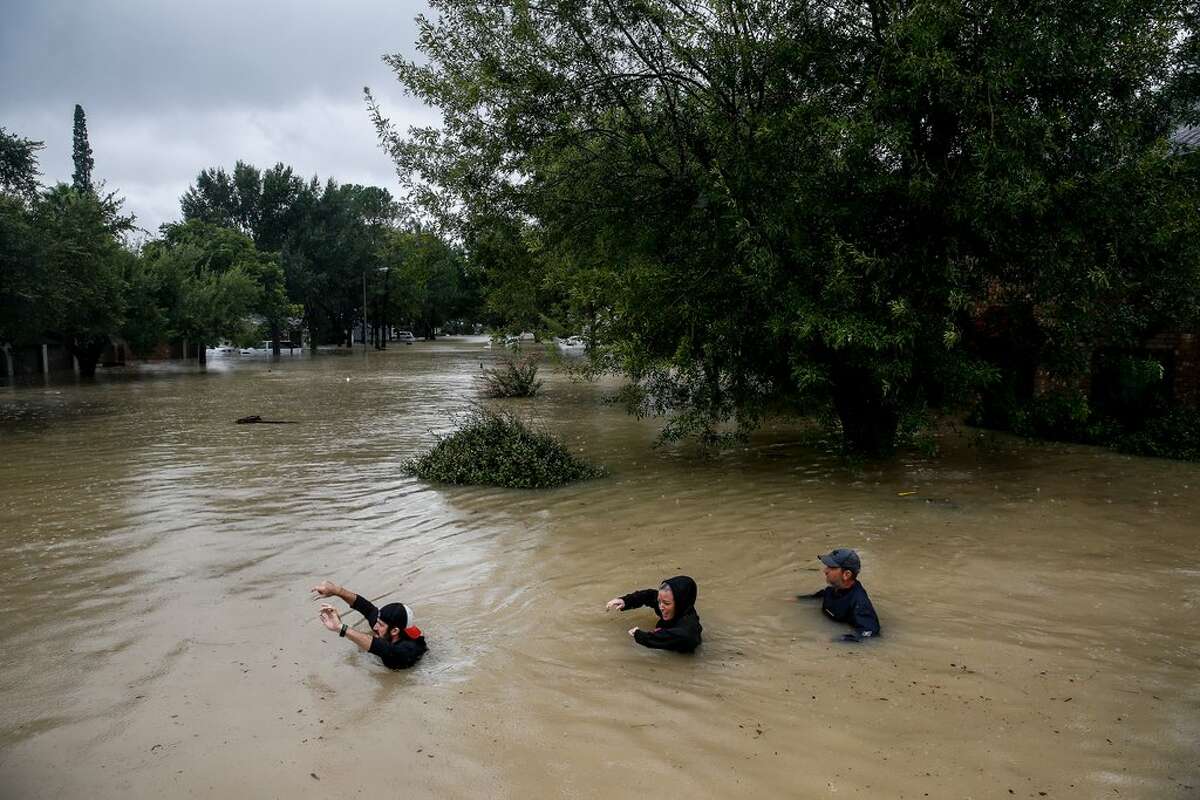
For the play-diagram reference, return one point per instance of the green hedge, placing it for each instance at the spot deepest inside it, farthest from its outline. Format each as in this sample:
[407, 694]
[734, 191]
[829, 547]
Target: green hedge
[493, 449]
[1068, 417]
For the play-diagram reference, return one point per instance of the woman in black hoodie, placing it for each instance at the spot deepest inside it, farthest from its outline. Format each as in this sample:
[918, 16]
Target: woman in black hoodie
[674, 601]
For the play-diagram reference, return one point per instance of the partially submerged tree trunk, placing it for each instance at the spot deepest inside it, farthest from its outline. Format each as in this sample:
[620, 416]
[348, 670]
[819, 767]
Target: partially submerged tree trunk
[869, 419]
[87, 353]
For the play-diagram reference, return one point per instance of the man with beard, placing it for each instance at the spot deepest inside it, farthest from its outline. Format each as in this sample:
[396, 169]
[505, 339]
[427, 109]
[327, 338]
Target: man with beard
[397, 642]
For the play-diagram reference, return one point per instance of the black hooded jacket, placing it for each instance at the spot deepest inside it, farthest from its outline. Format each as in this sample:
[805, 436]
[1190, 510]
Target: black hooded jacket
[681, 633]
[851, 606]
[400, 654]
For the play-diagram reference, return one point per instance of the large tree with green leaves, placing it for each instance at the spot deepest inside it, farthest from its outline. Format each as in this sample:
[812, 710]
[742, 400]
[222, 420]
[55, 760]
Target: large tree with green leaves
[208, 281]
[428, 281]
[81, 265]
[803, 204]
[18, 265]
[264, 205]
[63, 265]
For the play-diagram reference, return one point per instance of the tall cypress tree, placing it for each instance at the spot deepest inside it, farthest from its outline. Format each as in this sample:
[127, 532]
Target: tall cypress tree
[81, 154]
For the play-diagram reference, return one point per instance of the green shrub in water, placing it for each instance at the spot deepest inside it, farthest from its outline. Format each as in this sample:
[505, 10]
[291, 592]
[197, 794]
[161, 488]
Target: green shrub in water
[1176, 434]
[494, 449]
[1068, 416]
[515, 377]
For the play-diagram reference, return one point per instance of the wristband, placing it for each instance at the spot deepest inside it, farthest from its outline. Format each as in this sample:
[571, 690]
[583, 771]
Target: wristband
[342, 633]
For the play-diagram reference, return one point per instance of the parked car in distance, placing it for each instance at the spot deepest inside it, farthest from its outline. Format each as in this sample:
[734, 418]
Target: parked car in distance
[405, 336]
[572, 344]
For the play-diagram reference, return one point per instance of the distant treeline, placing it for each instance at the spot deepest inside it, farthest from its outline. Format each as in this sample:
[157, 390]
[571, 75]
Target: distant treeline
[256, 254]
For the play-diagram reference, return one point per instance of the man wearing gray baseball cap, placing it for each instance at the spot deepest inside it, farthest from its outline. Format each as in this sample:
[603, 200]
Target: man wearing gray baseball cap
[845, 599]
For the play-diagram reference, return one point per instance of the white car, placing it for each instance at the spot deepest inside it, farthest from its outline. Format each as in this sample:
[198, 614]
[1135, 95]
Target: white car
[405, 336]
[572, 344]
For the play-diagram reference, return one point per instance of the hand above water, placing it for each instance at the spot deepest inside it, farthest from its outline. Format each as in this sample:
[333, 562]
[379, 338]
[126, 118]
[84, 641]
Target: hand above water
[326, 589]
[330, 618]
[633, 630]
[616, 604]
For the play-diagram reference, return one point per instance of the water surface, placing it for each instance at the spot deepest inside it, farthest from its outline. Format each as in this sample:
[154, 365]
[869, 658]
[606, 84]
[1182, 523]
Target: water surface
[1038, 603]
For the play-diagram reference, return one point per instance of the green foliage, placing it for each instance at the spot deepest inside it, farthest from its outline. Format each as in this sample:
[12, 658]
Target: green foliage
[80, 271]
[63, 265]
[515, 377]
[208, 280]
[1176, 434]
[18, 165]
[81, 154]
[495, 449]
[1062, 414]
[808, 203]
[425, 281]
[1067, 415]
[20, 288]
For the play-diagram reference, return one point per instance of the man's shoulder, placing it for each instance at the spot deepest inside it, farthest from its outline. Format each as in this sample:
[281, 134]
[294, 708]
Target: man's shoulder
[860, 596]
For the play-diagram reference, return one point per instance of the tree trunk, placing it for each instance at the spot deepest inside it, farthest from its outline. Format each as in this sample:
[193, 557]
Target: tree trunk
[201, 354]
[869, 420]
[87, 353]
[275, 339]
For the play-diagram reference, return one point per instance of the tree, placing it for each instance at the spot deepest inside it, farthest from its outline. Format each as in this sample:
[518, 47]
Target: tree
[209, 280]
[262, 205]
[18, 165]
[18, 279]
[429, 280]
[80, 264]
[334, 248]
[63, 264]
[806, 204]
[81, 154]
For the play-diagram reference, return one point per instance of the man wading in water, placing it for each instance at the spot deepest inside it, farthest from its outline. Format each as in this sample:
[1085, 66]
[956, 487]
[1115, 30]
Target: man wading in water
[397, 642]
[675, 603]
[845, 599]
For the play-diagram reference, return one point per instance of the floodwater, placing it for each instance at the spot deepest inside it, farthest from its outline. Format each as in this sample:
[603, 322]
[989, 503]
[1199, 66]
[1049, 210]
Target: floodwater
[159, 639]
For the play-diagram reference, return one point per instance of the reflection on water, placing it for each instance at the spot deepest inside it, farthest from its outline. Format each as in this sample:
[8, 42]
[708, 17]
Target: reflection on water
[1038, 603]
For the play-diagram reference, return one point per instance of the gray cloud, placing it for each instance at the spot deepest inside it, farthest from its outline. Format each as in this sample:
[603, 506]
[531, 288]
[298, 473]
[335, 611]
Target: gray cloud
[172, 87]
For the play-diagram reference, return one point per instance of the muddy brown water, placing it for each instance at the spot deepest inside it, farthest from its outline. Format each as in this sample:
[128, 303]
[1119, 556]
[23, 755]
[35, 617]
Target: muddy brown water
[1039, 603]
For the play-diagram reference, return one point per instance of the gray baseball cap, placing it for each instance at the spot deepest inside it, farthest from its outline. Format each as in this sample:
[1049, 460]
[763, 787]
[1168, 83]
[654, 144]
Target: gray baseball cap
[842, 558]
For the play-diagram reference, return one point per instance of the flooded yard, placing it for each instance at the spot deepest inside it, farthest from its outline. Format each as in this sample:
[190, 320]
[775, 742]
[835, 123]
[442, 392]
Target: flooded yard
[1038, 603]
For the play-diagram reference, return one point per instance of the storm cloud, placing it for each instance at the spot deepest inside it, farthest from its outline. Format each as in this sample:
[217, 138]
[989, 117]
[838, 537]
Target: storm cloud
[173, 87]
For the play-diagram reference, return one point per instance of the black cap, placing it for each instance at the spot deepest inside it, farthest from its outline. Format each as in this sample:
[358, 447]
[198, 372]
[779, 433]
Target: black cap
[842, 558]
[394, 615]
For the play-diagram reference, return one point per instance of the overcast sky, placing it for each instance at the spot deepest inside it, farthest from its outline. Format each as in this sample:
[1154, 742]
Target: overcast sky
[173, 86]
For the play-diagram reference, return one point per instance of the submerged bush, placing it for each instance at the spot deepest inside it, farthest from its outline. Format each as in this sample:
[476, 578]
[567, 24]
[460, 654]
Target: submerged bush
[515, 377]
[1067, 416]
[1173, 435]
[499, 450]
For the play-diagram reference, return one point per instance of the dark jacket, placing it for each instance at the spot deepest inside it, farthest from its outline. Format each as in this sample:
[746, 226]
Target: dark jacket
[682, 632]
[400, 654]
[851, 606]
